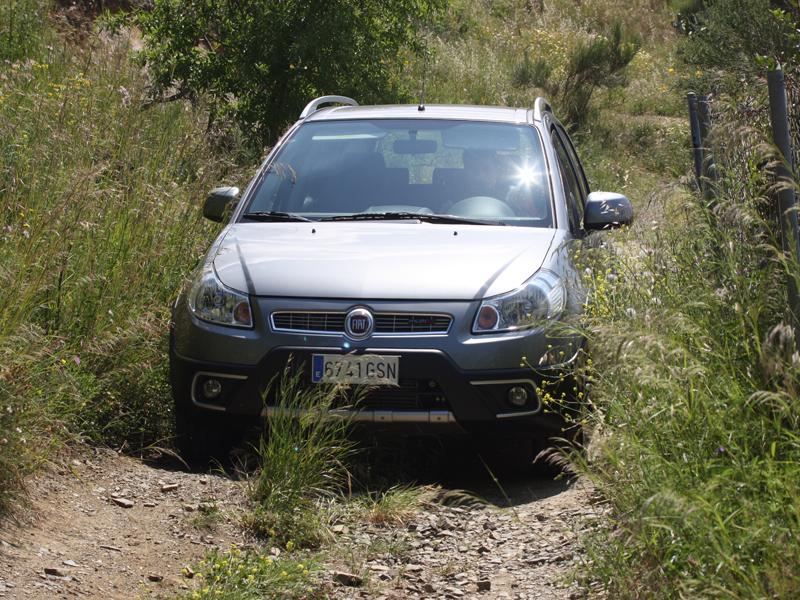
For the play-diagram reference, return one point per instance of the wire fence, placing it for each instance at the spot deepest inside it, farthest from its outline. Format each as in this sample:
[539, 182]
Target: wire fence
[742, 149]
[792, 78]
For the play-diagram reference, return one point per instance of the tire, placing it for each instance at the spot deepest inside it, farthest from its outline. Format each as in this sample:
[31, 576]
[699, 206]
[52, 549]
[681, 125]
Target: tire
[204, 437]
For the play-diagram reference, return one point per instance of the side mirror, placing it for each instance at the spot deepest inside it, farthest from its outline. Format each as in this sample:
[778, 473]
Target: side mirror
[605, 210]
[218, 201]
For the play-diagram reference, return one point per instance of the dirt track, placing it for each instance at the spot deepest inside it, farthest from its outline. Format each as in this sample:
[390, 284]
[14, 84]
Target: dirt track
[105, 526]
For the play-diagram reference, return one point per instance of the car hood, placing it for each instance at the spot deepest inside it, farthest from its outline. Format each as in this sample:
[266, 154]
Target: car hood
[372, 260]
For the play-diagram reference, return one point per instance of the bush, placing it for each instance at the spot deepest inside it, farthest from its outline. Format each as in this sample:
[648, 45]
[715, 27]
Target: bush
[250, 575]
[597, 62]
[531, 72]
[263, 61]
[742, 36]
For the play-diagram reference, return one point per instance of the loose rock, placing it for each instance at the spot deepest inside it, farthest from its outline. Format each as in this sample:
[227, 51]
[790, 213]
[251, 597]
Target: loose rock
[55, 572]
[123, 502]
[348, 579]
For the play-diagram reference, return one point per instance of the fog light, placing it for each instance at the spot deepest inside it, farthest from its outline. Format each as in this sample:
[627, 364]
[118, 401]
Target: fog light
[517, 396]
[212, 388]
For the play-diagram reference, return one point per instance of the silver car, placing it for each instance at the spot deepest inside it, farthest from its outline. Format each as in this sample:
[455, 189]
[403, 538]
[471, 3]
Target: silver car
[424, 251]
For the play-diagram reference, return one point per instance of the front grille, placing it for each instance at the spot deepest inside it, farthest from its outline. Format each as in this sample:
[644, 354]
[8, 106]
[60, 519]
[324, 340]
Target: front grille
[385, 323]
[411, 323]
[410, 394]
[323, 322]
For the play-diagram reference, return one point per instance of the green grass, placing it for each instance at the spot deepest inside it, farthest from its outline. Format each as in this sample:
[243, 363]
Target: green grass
[695, 380]
[250, 574]
[303, 457]
[99, 226]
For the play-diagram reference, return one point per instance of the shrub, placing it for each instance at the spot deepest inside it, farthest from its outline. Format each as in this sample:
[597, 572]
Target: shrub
[532, 72]
[593, 63]
[742, 36]
[262, 61]
[251, 575]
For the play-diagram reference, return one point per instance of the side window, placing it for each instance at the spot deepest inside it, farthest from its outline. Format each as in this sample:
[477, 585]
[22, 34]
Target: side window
[572, 189]
[573, 157]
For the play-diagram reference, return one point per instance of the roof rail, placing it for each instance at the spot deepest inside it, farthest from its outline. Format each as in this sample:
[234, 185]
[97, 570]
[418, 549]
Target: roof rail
[314, 105]
[540, 107]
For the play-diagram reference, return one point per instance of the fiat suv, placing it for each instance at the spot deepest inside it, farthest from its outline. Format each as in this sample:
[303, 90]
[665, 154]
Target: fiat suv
[420, 252]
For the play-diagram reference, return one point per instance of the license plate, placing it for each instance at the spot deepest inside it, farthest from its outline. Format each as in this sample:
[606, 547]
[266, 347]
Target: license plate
[356, 370]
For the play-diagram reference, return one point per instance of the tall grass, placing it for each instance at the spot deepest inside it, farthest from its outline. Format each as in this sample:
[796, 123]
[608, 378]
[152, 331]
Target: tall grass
[23, 28]
[303, 457]
[99, 225]
[696, 380]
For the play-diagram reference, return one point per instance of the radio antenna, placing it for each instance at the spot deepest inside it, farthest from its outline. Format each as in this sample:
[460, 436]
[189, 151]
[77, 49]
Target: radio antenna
[421, 106]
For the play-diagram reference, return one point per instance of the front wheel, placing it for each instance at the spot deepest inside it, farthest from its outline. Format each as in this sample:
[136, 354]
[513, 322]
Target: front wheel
[202, 437]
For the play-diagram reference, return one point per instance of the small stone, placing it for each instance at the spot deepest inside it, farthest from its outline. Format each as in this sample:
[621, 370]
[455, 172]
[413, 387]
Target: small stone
[412, 568]
[150, 504]
[428, 588]
[484, 585]
[190, 507]
[155, 578]
[54, 571]
[379, 568]
[123, 502]
[168, 487]
[339, 529]
[69, 563]
[188, 572]
[348, 579]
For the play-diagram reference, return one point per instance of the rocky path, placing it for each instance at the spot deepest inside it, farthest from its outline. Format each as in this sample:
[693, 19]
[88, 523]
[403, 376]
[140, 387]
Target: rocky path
[105, 526]
[108, 526]
[522, 552]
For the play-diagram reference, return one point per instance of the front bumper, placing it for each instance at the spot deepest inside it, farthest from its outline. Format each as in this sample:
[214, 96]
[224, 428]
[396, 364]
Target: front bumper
[432, 391]
[456, 378]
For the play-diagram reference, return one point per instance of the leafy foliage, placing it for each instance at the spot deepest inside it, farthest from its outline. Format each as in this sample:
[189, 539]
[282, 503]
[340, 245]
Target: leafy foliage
[253, 575]
[742, 36]
[261, 61]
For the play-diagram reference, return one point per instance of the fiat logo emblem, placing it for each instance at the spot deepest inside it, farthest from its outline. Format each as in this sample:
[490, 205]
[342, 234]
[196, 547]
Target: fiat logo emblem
[359, 323]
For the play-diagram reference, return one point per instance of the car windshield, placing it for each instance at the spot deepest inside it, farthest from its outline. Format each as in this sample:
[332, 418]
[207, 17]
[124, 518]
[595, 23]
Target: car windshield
[469, 169]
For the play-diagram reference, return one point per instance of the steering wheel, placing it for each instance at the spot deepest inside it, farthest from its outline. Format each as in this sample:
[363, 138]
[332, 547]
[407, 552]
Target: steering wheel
[481, 207]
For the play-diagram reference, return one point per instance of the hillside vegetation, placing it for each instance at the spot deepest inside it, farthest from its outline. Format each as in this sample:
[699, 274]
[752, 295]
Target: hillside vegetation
[694, 371]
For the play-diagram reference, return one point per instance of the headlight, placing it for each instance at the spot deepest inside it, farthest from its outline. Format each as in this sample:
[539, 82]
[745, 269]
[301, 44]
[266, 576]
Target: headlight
[211, 301]
[539, 300]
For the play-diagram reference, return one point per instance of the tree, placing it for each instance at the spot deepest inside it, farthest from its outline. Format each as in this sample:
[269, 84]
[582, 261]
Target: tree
[741, 36]
[261, 60]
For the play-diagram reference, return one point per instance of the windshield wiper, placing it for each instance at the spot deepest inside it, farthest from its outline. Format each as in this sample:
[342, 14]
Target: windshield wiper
[271, 215]
[404, 216]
